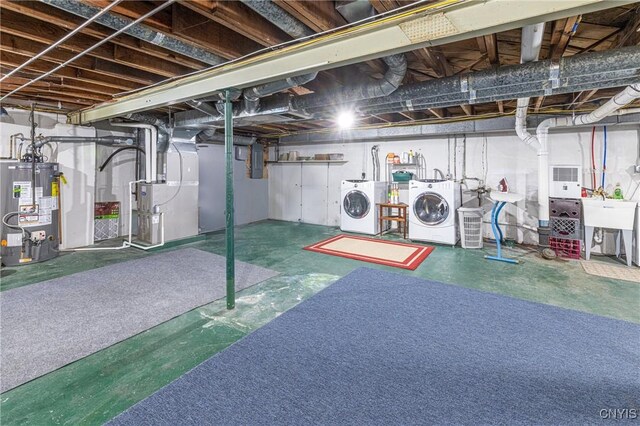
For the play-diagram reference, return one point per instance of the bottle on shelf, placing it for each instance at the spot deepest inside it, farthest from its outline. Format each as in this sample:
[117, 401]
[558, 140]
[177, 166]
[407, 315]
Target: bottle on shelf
[617, 192]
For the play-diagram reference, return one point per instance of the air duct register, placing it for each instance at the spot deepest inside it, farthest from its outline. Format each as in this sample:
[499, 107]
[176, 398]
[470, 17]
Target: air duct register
[566, 181]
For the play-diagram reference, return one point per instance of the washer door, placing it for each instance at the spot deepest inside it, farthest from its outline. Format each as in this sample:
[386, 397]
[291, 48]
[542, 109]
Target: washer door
[431, 209]
[356, 204]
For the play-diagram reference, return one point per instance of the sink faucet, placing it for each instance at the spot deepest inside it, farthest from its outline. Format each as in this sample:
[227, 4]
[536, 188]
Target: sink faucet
[600, 192]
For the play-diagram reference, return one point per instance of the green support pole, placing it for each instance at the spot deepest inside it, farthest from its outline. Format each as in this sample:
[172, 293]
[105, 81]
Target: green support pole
[228, 151]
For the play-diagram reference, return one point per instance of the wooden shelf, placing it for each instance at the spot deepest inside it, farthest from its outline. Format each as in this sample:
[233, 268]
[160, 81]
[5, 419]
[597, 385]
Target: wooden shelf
[394, 218]
[308, 162]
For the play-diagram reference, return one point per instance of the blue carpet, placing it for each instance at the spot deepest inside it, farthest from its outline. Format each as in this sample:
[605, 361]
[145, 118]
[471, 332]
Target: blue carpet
[384, 348]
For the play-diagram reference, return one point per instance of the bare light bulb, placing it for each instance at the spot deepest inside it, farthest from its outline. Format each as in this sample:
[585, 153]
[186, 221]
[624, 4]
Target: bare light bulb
[345, 119]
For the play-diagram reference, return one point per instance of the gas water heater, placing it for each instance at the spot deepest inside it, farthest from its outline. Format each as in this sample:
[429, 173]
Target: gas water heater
[30, 211]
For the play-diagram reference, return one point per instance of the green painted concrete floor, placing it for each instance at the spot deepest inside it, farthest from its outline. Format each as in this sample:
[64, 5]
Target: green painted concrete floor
[100, 386]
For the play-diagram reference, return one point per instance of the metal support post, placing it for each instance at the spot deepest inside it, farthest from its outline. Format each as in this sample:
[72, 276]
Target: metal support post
[228, 150]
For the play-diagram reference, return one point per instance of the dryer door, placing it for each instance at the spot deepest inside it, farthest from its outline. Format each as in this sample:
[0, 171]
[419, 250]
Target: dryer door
[431, 208]
[356, 204]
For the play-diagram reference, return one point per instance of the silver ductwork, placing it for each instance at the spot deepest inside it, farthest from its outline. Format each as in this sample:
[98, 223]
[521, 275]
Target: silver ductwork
[353, 11]
[279, 17]
[376, 162]
[251, 99]
[252, 95]
[104, 140]
[139, 31]
[598, 70]
[212, 136]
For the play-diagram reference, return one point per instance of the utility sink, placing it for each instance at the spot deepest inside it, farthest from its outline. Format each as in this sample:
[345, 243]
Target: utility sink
[614, 214]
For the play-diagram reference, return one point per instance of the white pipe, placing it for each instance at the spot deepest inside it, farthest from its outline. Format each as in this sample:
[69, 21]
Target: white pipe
[629, 94]
[150, 148]
[521, 123]
[84, 52]
[531, 41]
[62, 40]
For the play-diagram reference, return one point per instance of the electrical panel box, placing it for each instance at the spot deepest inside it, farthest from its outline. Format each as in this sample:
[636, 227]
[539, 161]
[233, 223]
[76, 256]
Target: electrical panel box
[257, 161]
[565, 181]
[241, 152]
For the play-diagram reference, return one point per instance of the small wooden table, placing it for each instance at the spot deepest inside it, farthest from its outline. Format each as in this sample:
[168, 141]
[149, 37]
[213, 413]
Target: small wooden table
[390, 216]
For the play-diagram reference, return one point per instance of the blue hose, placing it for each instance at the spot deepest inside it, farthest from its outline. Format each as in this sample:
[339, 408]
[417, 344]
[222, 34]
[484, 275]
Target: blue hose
[604, 157]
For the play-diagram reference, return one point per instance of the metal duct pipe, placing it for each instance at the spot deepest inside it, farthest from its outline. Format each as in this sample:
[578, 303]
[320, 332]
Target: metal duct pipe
[397, 68]
[105, 140]
[251, 103]
[549, 77]
[139, 31]
[204, 107]
[376, 162]
[273, 105]
[596, 70]
[252, 95]
[505, 93]
[234, 94]
[211, 136]
[279, 17]
[164, 131]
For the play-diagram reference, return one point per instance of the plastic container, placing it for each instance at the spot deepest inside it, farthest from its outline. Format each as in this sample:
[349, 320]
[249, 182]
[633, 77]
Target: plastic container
[402, 176]
[566, 248]
[471, 227]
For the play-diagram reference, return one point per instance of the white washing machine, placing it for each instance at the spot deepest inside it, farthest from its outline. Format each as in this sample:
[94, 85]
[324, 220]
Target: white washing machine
[359, 212]
[432, 211]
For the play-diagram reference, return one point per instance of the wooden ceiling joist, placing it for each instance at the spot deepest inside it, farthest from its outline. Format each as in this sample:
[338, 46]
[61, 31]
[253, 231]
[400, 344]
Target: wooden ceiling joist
[234, 15]
[62, 83]
[317, 15]
[40, 87]
[30, 48]
[538, 103]
[69, 22]
[230, 29]
[45, 33]
[13, 60]
[561, 34]
[489, 46]
[193, 27]
[438, 112]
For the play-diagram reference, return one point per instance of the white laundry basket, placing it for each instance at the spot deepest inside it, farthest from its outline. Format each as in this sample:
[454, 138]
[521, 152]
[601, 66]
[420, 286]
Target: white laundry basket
[471, 226]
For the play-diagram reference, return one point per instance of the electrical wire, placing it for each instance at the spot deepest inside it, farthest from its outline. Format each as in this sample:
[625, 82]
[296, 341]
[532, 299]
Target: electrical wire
[6, 217]
[117, 151]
